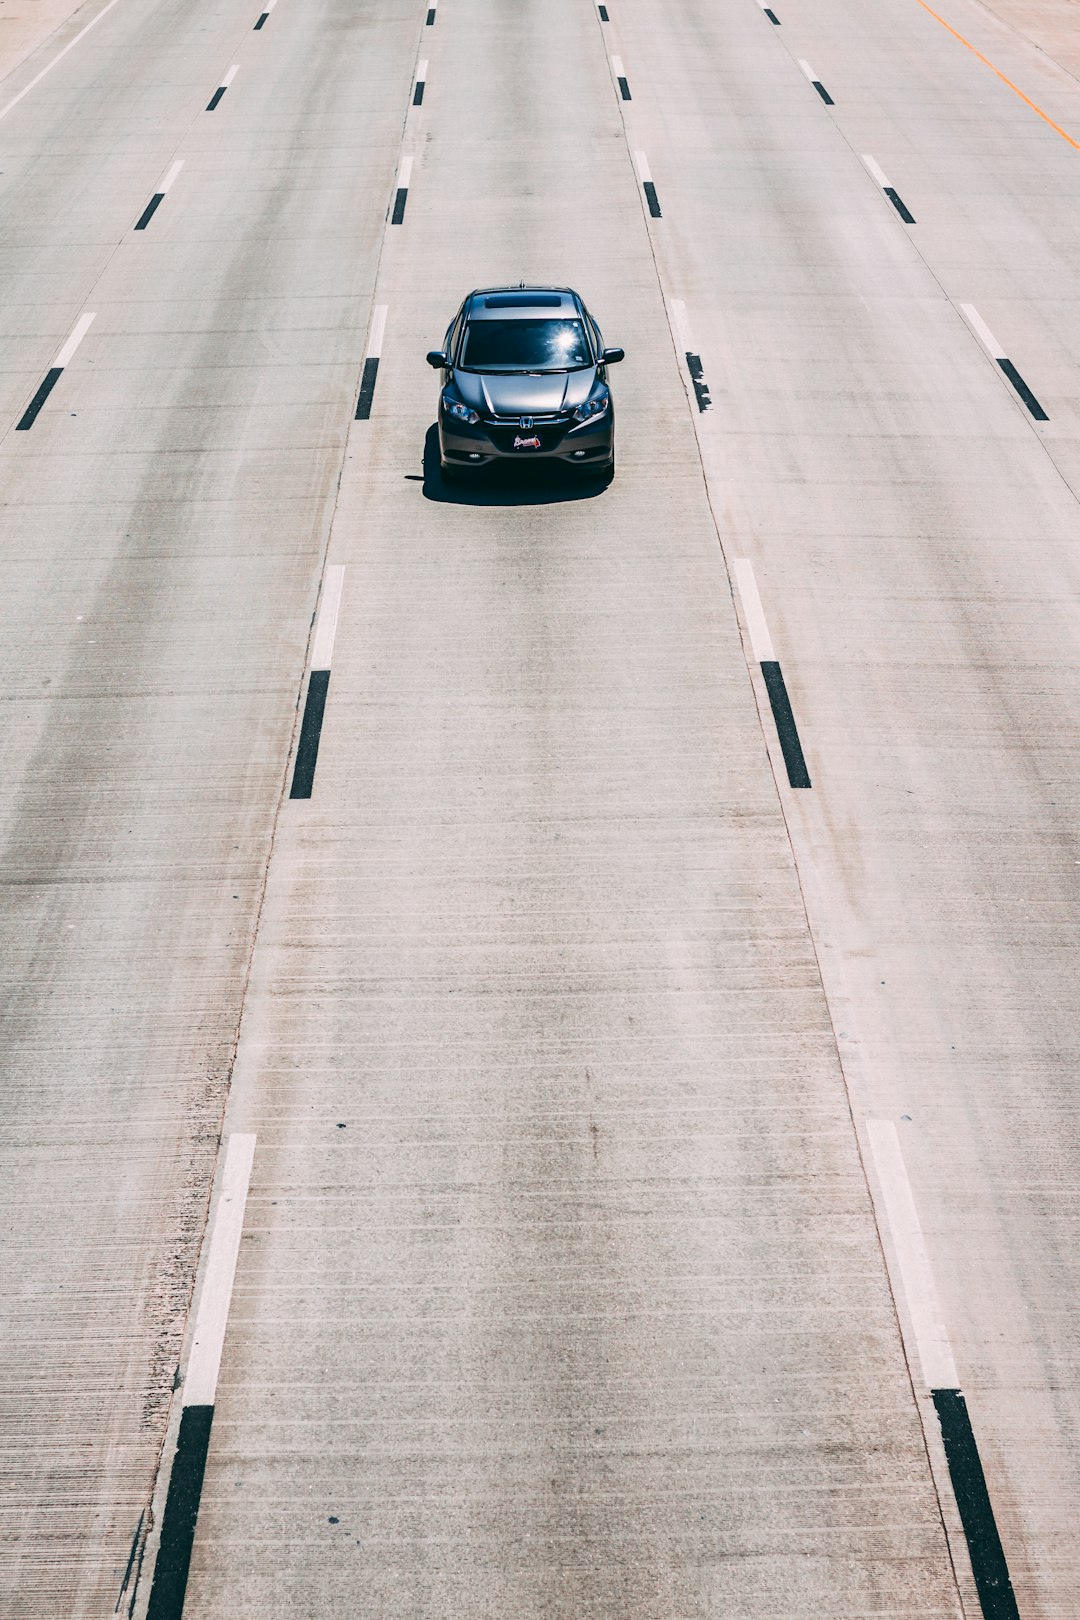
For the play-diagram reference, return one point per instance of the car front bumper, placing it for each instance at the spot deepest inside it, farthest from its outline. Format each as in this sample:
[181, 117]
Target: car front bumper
[584, 444]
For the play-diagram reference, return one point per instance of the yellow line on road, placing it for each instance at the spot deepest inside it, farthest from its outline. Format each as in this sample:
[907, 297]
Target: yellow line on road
[1015, 88]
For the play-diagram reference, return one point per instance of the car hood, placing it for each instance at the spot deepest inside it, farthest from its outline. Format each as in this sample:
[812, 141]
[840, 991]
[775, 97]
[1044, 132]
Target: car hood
[502, 394]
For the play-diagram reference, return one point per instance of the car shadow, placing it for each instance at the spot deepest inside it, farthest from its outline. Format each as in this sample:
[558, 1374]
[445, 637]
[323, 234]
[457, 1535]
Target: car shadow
[538, 485]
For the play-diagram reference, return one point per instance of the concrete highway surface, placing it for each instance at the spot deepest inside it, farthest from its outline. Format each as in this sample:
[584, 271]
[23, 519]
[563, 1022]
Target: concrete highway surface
[590, 1130]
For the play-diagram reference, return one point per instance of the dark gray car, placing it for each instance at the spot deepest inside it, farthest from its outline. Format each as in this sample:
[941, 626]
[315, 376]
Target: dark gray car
[525, 379]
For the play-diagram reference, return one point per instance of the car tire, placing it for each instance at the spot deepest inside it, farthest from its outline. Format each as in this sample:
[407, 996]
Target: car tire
[448, 474]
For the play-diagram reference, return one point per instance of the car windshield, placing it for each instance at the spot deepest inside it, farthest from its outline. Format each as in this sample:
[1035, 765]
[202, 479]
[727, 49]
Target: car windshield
[525, 345]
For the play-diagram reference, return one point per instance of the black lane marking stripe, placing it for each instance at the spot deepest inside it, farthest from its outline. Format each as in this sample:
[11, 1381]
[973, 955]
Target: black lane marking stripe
[901, 207]
[307, 749]
[399, 205]
[773, 18]
[987, 1555]
[786, 730]
[652, 199]
[431, 18]
[181, 1512]
[624, 89]
[26, 420]
[603, 13]
[261, 20]
[697, 377]
[823, 93]
[216, 97]
[418, 93]
[1023, 390]
[367, 388]
[148, 212]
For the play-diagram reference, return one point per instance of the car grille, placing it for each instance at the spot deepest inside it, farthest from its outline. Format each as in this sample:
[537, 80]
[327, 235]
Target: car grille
[548, 429]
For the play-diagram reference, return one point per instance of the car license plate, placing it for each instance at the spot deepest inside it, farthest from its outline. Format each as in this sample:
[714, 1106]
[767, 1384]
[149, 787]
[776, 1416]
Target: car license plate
[526, 444]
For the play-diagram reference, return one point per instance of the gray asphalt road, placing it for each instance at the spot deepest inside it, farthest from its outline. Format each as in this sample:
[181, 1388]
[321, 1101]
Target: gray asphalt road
[575, 1276]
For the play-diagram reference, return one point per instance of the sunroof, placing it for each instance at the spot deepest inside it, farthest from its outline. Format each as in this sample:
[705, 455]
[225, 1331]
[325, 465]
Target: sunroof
[524, 301]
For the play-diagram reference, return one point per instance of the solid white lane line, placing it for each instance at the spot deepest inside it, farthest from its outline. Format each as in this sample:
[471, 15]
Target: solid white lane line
[983, 332]
[753, 612]
[78, 332]
[229, 77]
[200, 1385]
[378, 326]
[171, 176]
[326, 623]
[404, 173]
[14, 102]
[875, 171]
[917, 1278]
[642, 167]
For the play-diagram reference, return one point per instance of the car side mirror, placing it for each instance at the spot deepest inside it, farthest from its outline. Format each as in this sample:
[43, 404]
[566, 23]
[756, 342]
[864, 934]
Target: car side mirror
[611, 357]
[438, 358]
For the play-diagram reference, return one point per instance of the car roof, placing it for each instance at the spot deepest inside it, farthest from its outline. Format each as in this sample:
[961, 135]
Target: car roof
[522, 303]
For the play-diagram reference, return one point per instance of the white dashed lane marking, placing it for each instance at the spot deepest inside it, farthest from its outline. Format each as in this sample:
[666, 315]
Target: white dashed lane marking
[690, 354]
[816, 82]
[401, 195]
[645, 175]
[761, 642]
[912, 1260]
[199, 1389]
[890, 190]
[371, 363]
[54, 373]
[913, 1281]
[223, 86]
[322, 646]
[148, 212]
[997, 353]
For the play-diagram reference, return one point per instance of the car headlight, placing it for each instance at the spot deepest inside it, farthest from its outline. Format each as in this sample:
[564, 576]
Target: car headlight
[458, 408]
[592, 407]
